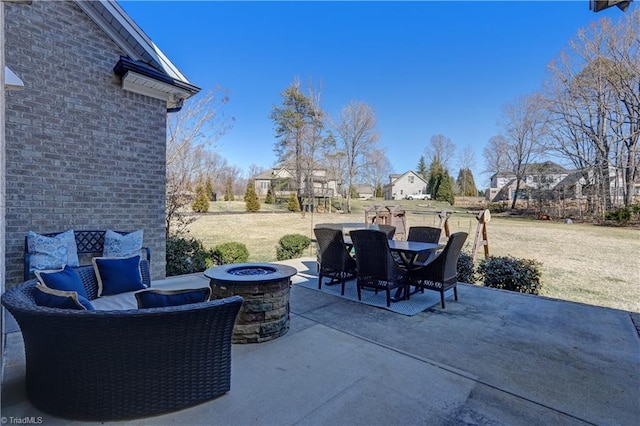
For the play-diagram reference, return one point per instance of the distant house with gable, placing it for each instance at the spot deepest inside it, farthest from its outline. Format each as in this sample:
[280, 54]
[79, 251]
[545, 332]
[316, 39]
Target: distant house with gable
[401, 185]
[539, 176]
[554, 181]
[281, 179]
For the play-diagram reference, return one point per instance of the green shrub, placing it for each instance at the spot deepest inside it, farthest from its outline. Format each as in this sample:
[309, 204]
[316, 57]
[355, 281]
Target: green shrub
[230, 252]
[269, 199]
[201, 202]
[466, 269]
[620, 215]
[251, 200]
[292, 246]
[509, 273]
[293, 205]
[186, 255]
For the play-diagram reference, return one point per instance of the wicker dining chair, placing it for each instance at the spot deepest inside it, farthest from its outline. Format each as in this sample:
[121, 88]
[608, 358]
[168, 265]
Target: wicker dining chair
[441, 273]
[377, 268]
[389, 230]
[334, 261]
[424, 234]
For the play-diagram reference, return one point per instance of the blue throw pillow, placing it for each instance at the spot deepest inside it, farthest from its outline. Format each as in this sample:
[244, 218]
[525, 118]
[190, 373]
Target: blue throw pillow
[65, 279]
[51, 298]
[117, 275]
[117, 245]
[161, 298]
[52, 252]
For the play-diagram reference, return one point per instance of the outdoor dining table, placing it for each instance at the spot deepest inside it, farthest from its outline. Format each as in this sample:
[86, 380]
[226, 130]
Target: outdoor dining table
[408, 251]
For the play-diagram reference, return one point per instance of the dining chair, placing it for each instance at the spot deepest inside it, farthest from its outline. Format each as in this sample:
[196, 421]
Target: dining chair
[424, 234]
[441, 273]
[389, 230]
[377, 269]
[334, 261]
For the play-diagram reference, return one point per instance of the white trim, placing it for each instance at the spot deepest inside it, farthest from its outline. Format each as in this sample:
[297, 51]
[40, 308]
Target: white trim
[143, 85]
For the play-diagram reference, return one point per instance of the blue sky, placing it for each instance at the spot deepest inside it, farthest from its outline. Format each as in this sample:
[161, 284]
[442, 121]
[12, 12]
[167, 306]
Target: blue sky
[425, 68]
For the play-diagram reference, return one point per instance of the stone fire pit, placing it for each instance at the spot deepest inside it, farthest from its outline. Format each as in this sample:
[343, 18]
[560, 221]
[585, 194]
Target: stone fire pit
[265, 288]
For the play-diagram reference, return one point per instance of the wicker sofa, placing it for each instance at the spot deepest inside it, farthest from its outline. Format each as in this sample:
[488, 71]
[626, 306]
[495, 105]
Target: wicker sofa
[121, 364]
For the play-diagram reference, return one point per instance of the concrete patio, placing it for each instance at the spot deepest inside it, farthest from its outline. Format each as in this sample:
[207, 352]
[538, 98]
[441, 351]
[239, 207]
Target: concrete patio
[493, 357]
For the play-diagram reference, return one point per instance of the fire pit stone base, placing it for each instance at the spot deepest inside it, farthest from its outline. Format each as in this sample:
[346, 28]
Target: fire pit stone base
[265, 312]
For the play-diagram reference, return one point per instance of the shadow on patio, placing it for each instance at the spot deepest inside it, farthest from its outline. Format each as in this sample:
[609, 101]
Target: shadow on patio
[493, 357]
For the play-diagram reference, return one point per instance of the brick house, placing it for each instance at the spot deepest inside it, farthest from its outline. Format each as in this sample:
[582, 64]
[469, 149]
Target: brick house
[85, 140]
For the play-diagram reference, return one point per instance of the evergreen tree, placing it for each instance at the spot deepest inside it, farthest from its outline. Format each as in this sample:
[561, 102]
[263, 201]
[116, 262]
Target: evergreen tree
[269, 199]
[293, 205]
[422, 168]
[466, 184]
[445, 190]
[440, 184]
[208, 187]
[435, 177]
[201, 203]
[251, 198]
[228, 191]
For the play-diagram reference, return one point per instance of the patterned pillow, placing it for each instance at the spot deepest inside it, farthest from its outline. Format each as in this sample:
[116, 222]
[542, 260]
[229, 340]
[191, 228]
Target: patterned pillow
[161, 298]
[51, 298]
[65, 279]
[117, 275]
[117, 245]
[52, 252]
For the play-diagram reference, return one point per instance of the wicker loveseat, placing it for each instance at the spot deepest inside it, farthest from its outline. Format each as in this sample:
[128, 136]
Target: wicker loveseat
[120, 364]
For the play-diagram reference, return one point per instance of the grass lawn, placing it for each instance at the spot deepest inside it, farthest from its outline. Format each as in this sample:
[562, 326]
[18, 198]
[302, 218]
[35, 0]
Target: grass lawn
[580, 262]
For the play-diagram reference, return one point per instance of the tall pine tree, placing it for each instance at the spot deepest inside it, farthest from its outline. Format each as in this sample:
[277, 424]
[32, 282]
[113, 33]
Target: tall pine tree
[466, 184]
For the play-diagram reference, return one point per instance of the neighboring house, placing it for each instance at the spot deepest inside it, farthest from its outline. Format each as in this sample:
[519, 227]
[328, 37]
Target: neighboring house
[555, 182]
[400, 186]
[539, 176]
[85, 139]
[365, 192]
[281, 178]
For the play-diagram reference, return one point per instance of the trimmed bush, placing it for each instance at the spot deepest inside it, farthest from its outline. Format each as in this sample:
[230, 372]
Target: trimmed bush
[186, 255]
[201, 202]
[230, 252]
[510, 273]
[292, 246]
[251, 200]
[466, 269]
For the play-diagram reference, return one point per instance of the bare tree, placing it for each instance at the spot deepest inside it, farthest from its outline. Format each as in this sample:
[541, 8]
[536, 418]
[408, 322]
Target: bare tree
[441, 149]
[495, 155]
[594, 101]
[356, 131]
[524, 125]
[377, 167]
[190, 133]
[337, 165]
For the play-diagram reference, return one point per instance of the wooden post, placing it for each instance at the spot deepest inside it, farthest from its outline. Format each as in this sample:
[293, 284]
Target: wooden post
[481, 234]
[444, 221]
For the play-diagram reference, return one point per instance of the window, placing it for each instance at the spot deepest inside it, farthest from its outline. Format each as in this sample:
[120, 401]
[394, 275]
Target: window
[410, 179]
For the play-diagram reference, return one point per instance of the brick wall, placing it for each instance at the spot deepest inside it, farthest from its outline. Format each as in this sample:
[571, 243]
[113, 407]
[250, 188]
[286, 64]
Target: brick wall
[81, 153]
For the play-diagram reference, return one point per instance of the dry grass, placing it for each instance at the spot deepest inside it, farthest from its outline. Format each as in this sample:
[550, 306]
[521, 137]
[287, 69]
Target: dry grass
[581, 263]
